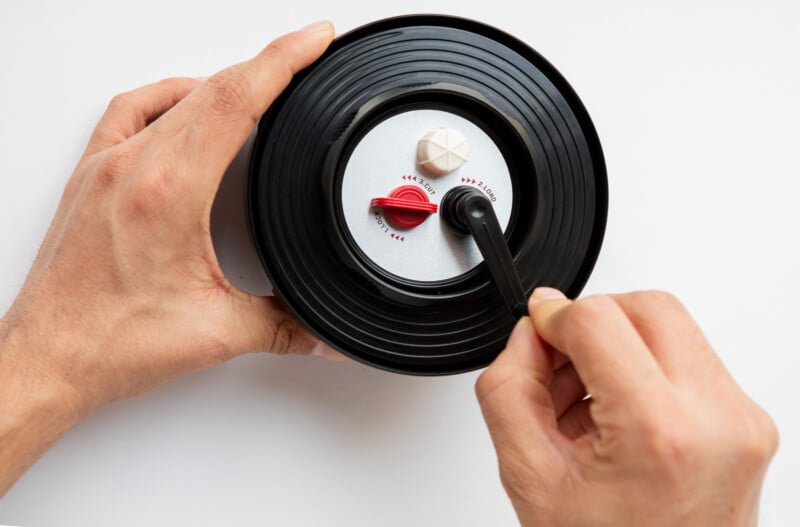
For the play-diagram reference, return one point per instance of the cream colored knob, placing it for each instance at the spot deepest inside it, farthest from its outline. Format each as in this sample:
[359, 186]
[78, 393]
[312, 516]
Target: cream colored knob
[442, 151]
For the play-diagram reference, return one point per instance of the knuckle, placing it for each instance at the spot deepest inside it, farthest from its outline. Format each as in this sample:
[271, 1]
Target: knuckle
[760, 441]
[115, 165]
[150, 195]
[672, 446]
[232, 89]
[121, 101]
[666, 444]
[771, 435]
[485, 383]
[493, 378]
[274, 51]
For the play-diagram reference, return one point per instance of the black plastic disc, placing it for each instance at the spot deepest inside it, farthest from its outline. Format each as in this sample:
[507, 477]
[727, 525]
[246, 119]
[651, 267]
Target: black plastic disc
[382, 69]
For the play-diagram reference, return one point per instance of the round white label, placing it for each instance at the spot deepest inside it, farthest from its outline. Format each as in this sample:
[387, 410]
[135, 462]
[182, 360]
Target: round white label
[386, 158]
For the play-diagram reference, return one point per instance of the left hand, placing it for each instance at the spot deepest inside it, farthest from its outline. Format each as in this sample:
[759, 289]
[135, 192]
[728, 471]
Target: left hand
[126, 291]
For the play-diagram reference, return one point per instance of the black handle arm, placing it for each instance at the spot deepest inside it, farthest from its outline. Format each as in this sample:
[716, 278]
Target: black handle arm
[468, 211]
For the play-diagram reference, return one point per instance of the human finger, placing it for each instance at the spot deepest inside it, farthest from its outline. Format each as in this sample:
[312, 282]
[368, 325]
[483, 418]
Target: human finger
[551, 293]
[608, 353]
[220, 115]
[130, 112]
[566, 389]
[513, 393]
[559, 359]
[263, 324]
[326, 352]
[669, 331]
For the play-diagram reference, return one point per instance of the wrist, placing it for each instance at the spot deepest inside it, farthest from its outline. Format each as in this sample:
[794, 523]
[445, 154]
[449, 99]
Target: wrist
[28, 378]
[36, 407]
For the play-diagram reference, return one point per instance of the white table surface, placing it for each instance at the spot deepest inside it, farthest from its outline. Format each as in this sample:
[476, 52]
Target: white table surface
[696, 104]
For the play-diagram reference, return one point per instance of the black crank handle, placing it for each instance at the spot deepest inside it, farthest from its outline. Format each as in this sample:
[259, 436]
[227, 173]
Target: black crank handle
[468, 211]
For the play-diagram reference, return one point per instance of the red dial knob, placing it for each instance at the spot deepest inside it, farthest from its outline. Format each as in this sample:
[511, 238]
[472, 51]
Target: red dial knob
[406, 206]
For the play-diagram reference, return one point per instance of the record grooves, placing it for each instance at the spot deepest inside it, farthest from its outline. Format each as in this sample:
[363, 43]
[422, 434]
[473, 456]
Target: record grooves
[384, 69]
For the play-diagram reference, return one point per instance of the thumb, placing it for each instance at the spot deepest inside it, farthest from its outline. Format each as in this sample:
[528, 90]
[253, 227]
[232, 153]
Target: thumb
[221, 113]
[515, 399]
[263, 324]
[266, 325]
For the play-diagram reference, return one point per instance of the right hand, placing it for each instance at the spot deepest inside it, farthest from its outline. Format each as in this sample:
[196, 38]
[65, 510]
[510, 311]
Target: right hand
[667, 438]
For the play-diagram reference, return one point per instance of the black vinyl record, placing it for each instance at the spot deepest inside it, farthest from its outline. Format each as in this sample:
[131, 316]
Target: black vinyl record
[383, 69]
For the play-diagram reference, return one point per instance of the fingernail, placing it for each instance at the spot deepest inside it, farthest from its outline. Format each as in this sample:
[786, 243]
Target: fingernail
[541, 294]
[547, 293]
[324, 351]
[317, 27]
[521, 331]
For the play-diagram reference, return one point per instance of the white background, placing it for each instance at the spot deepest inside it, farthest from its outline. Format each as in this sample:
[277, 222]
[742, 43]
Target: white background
[696, 104]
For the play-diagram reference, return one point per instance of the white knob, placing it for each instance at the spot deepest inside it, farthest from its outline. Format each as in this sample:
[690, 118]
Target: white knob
[442, 151]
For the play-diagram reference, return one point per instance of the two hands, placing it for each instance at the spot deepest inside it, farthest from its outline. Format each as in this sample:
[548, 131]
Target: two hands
[126, 293]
